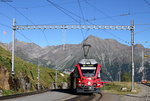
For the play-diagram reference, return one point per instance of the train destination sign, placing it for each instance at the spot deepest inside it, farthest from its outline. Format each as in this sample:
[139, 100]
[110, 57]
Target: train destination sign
[88, 68]
[88, 65]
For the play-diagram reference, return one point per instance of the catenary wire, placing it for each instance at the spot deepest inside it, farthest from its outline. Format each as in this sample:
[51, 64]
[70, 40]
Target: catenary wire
[27, 19]
[20, 13]
[101, 12]
[60, 8]
[5, 16]
[83, 34]
[147, 2]
[51, 3]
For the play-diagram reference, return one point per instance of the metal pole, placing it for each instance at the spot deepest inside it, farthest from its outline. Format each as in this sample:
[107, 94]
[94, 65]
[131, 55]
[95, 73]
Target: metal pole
[132, 54]
[56, 78]
[120, 74]
[142, 58]
[13, 45]
[143, 76]
[38, 76]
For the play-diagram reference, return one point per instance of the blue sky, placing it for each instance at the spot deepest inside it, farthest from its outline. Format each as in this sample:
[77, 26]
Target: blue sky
[72, 12]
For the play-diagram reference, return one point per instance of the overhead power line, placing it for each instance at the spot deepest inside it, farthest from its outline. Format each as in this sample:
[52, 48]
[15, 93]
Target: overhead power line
[140, 42]
[5, 16]
[28, 20]
[5, 25]
[116, 37]
[45, 37]
[147, 2]
[142, 31]
[18, 32]
[143, 24]
[40, 6]
[25, 37]
[60, 8]
[83, 34]
[101, 12]
[20, 13]
[13, 42]
[81, 11]
[65, 11]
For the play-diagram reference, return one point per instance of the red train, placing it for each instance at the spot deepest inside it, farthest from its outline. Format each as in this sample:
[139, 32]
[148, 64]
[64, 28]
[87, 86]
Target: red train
[144, 81]
[86, 77]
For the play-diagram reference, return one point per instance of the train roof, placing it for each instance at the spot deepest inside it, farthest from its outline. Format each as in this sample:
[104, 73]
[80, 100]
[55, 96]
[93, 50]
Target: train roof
[88, 61]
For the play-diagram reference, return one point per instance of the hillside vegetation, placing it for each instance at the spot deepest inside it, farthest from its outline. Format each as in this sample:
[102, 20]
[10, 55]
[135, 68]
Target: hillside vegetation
[116, 88]
[25, 78]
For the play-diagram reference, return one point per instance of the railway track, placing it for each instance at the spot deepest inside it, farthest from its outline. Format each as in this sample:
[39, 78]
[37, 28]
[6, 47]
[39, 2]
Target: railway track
[87, 97]
[73, 96]
[147, 84]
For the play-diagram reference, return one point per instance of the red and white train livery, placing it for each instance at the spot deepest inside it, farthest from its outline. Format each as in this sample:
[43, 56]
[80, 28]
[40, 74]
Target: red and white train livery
[86, 77]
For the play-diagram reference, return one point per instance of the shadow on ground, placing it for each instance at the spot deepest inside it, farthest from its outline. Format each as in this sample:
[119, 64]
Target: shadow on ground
[70, 91]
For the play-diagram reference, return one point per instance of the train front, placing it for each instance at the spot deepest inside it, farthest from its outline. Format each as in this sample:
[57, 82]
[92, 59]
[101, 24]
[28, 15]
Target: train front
[87, 76]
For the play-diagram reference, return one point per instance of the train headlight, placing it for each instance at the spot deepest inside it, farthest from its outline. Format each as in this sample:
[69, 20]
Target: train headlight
[98, 84]
[79, 81]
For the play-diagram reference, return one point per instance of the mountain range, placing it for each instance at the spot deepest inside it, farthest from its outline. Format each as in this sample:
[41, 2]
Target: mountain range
[114, 56]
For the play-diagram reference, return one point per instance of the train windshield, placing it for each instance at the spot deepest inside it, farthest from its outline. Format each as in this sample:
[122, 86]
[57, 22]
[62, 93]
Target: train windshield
[88, 71]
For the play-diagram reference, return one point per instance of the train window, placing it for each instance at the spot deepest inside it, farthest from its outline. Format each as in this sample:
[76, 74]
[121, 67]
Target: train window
[88, 71]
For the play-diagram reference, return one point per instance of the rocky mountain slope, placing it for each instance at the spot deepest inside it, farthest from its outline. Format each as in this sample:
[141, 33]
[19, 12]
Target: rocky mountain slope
[114, 56]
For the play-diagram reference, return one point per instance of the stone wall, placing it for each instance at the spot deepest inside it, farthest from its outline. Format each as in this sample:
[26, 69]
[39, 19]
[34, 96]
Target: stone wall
[4, 78]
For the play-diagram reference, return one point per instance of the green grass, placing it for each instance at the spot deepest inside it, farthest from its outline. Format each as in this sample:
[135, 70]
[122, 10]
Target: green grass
[7, 92]
[115, 87]
[26, 69]
[11, 92]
